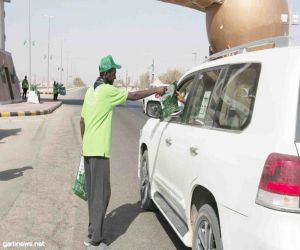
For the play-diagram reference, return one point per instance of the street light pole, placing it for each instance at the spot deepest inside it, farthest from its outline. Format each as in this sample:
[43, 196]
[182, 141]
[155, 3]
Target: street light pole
[29, 40]
[48, 52]
[61, 68]
[49, 18]
[126, 80]
[67, 79]
[152, 74]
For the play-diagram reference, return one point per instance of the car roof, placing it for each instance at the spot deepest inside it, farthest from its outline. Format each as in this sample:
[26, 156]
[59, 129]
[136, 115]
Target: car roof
[280, 54]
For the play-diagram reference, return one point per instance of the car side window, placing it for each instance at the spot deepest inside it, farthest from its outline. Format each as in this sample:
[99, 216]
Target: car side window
[202, 96]
[236, 103]
[185, 89]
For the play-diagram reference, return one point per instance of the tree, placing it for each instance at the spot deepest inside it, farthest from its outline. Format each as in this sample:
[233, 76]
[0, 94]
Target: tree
[144, 80]
[171, 75]
[78, 82]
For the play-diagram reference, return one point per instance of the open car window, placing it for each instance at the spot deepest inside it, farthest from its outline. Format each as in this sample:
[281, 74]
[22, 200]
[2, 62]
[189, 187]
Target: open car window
[185, 88]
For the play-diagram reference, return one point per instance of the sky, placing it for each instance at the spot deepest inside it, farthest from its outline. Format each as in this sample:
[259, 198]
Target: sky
[134, 32]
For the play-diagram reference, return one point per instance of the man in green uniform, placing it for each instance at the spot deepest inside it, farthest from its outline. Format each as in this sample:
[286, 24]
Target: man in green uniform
[24, 87]
[55, 90]
[96, 132]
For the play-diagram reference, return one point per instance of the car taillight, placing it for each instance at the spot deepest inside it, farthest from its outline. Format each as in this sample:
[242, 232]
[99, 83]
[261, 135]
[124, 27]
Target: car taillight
[279, 186]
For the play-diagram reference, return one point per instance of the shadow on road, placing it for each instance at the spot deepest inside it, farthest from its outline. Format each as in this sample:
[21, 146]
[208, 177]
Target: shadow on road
[117, 221]
[9, 174]
[8, 132]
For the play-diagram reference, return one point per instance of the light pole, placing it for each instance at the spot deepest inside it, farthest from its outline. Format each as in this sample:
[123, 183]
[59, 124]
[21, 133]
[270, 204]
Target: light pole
[29, 40]
[49, 18]
[152, 73]
[126, 80]
[61, 68]
[67, 79]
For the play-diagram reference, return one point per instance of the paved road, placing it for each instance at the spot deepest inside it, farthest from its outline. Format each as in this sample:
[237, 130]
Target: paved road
[38, 164]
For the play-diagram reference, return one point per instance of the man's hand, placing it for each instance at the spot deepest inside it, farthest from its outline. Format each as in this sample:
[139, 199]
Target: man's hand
[160, 90]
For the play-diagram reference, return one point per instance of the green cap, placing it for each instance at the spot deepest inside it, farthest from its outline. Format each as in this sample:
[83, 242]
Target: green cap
[108, 63]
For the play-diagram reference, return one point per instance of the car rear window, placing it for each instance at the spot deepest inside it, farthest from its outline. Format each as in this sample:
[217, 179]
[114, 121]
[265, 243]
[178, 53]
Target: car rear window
[236, 104]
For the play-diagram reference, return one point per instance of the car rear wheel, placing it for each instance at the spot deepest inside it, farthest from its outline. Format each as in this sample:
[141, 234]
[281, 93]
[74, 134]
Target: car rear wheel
[145, 186]
[206, 233]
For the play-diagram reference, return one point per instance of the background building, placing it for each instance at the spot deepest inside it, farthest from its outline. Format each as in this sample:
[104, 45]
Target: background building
[9, 83]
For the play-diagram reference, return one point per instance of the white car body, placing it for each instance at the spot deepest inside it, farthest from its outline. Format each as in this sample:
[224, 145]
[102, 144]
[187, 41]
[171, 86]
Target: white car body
[153, 98]
[222, 166]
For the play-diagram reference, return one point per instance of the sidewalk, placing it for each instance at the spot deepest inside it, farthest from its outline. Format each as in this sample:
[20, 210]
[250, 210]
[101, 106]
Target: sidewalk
[46, 106]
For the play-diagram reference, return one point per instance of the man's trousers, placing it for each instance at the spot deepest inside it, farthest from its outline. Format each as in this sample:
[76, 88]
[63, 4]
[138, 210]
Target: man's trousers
[97, 175]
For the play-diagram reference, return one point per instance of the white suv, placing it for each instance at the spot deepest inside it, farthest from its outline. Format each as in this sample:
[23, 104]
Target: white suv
[226, 172]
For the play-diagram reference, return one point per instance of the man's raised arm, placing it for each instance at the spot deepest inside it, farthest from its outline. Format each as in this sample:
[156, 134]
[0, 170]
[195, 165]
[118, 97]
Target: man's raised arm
[136, 95]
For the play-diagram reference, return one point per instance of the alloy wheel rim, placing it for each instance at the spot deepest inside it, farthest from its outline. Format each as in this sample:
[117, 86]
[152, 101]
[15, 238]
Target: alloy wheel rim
[144, 182]
[205, 236]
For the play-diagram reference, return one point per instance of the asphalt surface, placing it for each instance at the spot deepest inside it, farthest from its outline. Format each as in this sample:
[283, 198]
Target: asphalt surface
[38, 165]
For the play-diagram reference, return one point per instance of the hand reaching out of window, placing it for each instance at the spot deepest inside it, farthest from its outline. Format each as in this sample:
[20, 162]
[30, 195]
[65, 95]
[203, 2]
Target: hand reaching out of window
[180, 96]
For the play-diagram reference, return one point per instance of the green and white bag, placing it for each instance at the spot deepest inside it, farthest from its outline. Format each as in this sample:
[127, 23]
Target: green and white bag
[169, 102]
[79, 187]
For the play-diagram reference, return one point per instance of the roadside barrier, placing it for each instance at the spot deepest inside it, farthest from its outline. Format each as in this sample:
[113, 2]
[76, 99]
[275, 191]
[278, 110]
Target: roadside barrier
[30, 113]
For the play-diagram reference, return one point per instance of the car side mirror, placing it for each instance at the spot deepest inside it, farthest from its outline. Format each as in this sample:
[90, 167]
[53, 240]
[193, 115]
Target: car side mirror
[153, 110]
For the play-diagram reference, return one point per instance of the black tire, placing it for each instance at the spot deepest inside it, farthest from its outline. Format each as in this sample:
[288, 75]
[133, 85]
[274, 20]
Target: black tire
[145, 186]
[206, 231]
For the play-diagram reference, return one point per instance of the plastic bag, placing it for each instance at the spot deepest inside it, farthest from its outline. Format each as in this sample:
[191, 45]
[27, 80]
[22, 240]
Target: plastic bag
[79, 187]
[61, 89]
[33, 97]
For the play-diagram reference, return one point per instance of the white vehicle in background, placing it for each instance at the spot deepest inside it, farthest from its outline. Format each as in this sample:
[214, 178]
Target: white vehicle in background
[225, 172]
[152, 100]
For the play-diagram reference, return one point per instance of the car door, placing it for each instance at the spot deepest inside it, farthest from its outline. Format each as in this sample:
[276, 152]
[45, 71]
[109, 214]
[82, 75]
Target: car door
[171, 155]
[219, 136]
[179, 147]
[199, 121]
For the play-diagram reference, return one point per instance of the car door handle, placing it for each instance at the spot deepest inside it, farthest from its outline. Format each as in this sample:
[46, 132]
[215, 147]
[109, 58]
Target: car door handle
[168, 141]
[194, 150]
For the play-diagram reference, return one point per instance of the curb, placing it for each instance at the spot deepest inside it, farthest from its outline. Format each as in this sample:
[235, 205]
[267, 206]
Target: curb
[30, 113]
